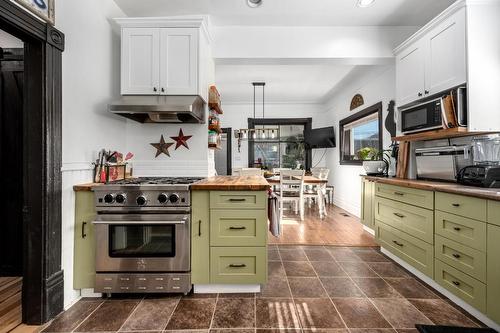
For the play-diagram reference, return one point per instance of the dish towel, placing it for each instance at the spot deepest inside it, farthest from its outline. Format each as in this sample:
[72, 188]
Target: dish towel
[273, 214]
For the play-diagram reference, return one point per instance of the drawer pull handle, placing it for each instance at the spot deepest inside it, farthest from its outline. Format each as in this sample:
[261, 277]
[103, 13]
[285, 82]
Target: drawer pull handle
[84, 234]
[397, 243]
[457, 228]
[456, 255]
[199, 228]
[399, 193]
[141, 288]
[399, 215]
[237, 228]
[237, 199]
[237, 265]
[455, 205]
[456, 283]
[176, 287]
[124, 288]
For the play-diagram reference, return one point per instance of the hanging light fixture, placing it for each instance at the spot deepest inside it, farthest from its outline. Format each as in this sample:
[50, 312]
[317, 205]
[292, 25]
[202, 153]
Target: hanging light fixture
[260, 132]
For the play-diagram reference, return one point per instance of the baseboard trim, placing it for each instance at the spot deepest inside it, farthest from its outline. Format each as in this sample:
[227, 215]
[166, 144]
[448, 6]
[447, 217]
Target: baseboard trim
[474, 312]
[226, 288]
[369, 230]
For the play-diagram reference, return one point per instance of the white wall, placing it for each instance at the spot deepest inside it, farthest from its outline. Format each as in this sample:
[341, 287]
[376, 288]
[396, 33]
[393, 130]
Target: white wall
[90, 81]
[376, 85]
[9, 41]
[236, 116]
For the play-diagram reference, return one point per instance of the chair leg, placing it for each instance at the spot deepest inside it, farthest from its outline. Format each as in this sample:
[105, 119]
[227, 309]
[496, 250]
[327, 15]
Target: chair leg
[281, 210]
[301, 202]
[295, 207]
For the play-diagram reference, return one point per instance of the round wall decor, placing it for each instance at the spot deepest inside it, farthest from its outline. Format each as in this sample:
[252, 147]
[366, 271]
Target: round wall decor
[357, 101]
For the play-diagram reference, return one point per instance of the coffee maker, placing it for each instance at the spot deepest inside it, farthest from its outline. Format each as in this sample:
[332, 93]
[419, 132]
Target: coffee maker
[486, 157]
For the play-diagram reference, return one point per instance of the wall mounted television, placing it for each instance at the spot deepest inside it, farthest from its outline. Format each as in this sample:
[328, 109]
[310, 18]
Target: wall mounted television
[320, 138]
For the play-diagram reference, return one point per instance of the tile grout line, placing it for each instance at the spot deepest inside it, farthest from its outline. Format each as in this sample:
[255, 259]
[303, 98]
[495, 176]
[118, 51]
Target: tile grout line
[291, 296]
[366, 296]
[172, 314]
[213, 314]
[87, 317]
[131, 313]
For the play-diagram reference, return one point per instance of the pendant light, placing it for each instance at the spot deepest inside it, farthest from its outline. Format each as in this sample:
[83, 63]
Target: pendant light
[260, 132]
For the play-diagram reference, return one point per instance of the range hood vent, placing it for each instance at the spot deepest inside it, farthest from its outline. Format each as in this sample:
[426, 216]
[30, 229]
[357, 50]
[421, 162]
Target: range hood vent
[161, 109]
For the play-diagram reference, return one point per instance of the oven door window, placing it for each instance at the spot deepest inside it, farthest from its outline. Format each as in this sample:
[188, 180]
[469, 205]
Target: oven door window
[141, 241]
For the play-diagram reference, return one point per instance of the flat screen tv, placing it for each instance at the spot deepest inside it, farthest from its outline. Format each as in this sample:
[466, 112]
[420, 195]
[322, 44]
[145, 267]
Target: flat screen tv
[320, 138]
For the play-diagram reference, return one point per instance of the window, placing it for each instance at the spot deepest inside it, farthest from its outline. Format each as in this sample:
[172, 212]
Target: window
[361, 132]
[283, 148]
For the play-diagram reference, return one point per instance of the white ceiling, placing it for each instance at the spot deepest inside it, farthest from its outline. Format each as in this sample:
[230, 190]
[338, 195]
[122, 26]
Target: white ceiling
[284, 83]
[294, 12]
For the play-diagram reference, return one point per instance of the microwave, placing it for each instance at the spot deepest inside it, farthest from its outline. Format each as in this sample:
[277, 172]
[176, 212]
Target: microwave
[429, 115]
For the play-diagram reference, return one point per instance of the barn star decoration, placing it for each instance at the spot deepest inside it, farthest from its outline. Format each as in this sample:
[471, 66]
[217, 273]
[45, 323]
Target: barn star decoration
[181, 139]
[162, 147]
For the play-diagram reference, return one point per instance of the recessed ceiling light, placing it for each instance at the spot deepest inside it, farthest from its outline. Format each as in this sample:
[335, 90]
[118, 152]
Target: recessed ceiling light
[254, 3]
[365, 3]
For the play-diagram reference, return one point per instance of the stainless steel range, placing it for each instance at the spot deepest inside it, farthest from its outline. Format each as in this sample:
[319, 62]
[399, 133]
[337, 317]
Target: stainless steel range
[143, 235]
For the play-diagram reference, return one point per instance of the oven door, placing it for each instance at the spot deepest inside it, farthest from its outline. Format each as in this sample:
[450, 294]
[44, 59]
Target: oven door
[142, 243]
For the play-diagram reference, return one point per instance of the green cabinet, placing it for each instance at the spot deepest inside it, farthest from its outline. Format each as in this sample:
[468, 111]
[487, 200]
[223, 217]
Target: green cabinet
[229, 237]
[461, 229]
[200, 237]
[84, 241]
[412, 196]
[473, 208]
[367, 197]
[494, 212]
[493, 273]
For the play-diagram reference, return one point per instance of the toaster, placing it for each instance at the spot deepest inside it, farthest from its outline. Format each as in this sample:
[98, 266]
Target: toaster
[480, 175]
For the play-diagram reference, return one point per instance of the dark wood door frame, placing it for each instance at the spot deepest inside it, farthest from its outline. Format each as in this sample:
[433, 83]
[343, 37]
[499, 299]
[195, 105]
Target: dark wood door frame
[42, 273]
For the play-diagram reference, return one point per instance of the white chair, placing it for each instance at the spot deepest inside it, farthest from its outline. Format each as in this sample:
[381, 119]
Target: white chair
[251, 172]
[292, 190]
[277, 171]
[318, 192]
[236, 171]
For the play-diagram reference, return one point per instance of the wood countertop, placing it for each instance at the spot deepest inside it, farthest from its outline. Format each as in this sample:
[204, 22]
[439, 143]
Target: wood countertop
[232, 183]
[85, 187]
[454, 188]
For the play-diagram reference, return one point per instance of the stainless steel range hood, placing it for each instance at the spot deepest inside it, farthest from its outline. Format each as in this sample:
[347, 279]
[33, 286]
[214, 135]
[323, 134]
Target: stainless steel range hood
[161, 109]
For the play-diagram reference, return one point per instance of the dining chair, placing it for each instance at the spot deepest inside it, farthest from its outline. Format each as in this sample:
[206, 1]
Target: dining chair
[236, 171]
[277, 171]
[318, 192]
[251, 172]
[292, 190]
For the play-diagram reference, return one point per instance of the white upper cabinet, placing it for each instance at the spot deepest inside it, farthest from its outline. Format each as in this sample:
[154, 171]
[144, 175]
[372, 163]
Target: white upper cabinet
[434, 62]
[140, 64]
[163, 56]
[179, 61]
[446, 62]
[411, 64]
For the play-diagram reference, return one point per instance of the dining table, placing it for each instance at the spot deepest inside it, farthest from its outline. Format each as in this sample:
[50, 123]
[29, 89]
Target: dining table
[314, 181]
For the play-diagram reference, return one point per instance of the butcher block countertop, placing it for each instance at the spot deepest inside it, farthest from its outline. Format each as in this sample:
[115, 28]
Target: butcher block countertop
[479, 192]
[85, 187]
[232, 183]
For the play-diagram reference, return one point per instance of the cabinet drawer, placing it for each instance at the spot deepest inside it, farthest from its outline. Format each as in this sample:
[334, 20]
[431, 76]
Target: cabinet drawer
[493, 273]
[467, 288]
[461, 229]
[407, 195]
[238, 199]
[414, 251]
[494, 212]
[238, 227]
[416, 221]
[238, 265]
[474, 208]
[466, 259]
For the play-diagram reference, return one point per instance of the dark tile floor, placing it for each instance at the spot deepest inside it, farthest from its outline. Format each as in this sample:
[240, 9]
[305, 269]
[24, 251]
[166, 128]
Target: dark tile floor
[310, 288]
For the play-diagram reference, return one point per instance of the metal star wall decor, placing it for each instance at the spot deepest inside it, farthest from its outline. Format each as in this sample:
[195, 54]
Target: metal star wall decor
[162, 147]
[181, 139]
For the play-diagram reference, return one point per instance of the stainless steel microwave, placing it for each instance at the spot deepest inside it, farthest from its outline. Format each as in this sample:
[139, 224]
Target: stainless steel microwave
[422, 117]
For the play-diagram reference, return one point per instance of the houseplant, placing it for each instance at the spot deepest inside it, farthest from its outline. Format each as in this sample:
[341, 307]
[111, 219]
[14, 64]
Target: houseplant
[375, 162]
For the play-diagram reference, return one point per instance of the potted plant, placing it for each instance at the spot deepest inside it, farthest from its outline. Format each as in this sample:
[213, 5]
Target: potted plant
[375, 162]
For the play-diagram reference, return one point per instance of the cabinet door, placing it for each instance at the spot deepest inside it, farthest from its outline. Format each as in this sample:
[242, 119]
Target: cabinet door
[493, 273]
[179, 61]
[84, 256]
[446, 63]
[200, 237]
[410, 74]
[140, 67]
[367, 193]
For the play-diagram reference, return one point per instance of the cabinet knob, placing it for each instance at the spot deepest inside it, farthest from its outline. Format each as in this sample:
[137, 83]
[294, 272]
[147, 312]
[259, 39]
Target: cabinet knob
[154, 89]
[427, 92]
[162, 89]
[420, 94]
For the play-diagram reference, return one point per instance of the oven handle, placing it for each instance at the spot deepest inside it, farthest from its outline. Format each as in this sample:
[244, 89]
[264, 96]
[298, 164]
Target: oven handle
[138, 222]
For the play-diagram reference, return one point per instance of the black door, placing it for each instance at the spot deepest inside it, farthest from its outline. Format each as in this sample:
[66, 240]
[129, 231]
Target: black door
[11, 157]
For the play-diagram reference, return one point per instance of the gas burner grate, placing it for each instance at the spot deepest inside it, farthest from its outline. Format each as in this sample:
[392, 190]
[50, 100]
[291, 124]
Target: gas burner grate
[157, 181]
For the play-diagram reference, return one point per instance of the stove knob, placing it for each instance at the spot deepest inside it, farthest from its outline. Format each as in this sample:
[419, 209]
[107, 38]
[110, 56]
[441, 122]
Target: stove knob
[120, 198]
[109, 198]
[162, 198]
[141, 200]
[173, 198]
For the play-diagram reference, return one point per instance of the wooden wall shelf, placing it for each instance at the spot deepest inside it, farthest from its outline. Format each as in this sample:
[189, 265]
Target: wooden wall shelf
[438, 134]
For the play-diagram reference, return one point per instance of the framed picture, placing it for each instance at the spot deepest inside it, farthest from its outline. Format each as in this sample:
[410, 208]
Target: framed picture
[41, 8]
